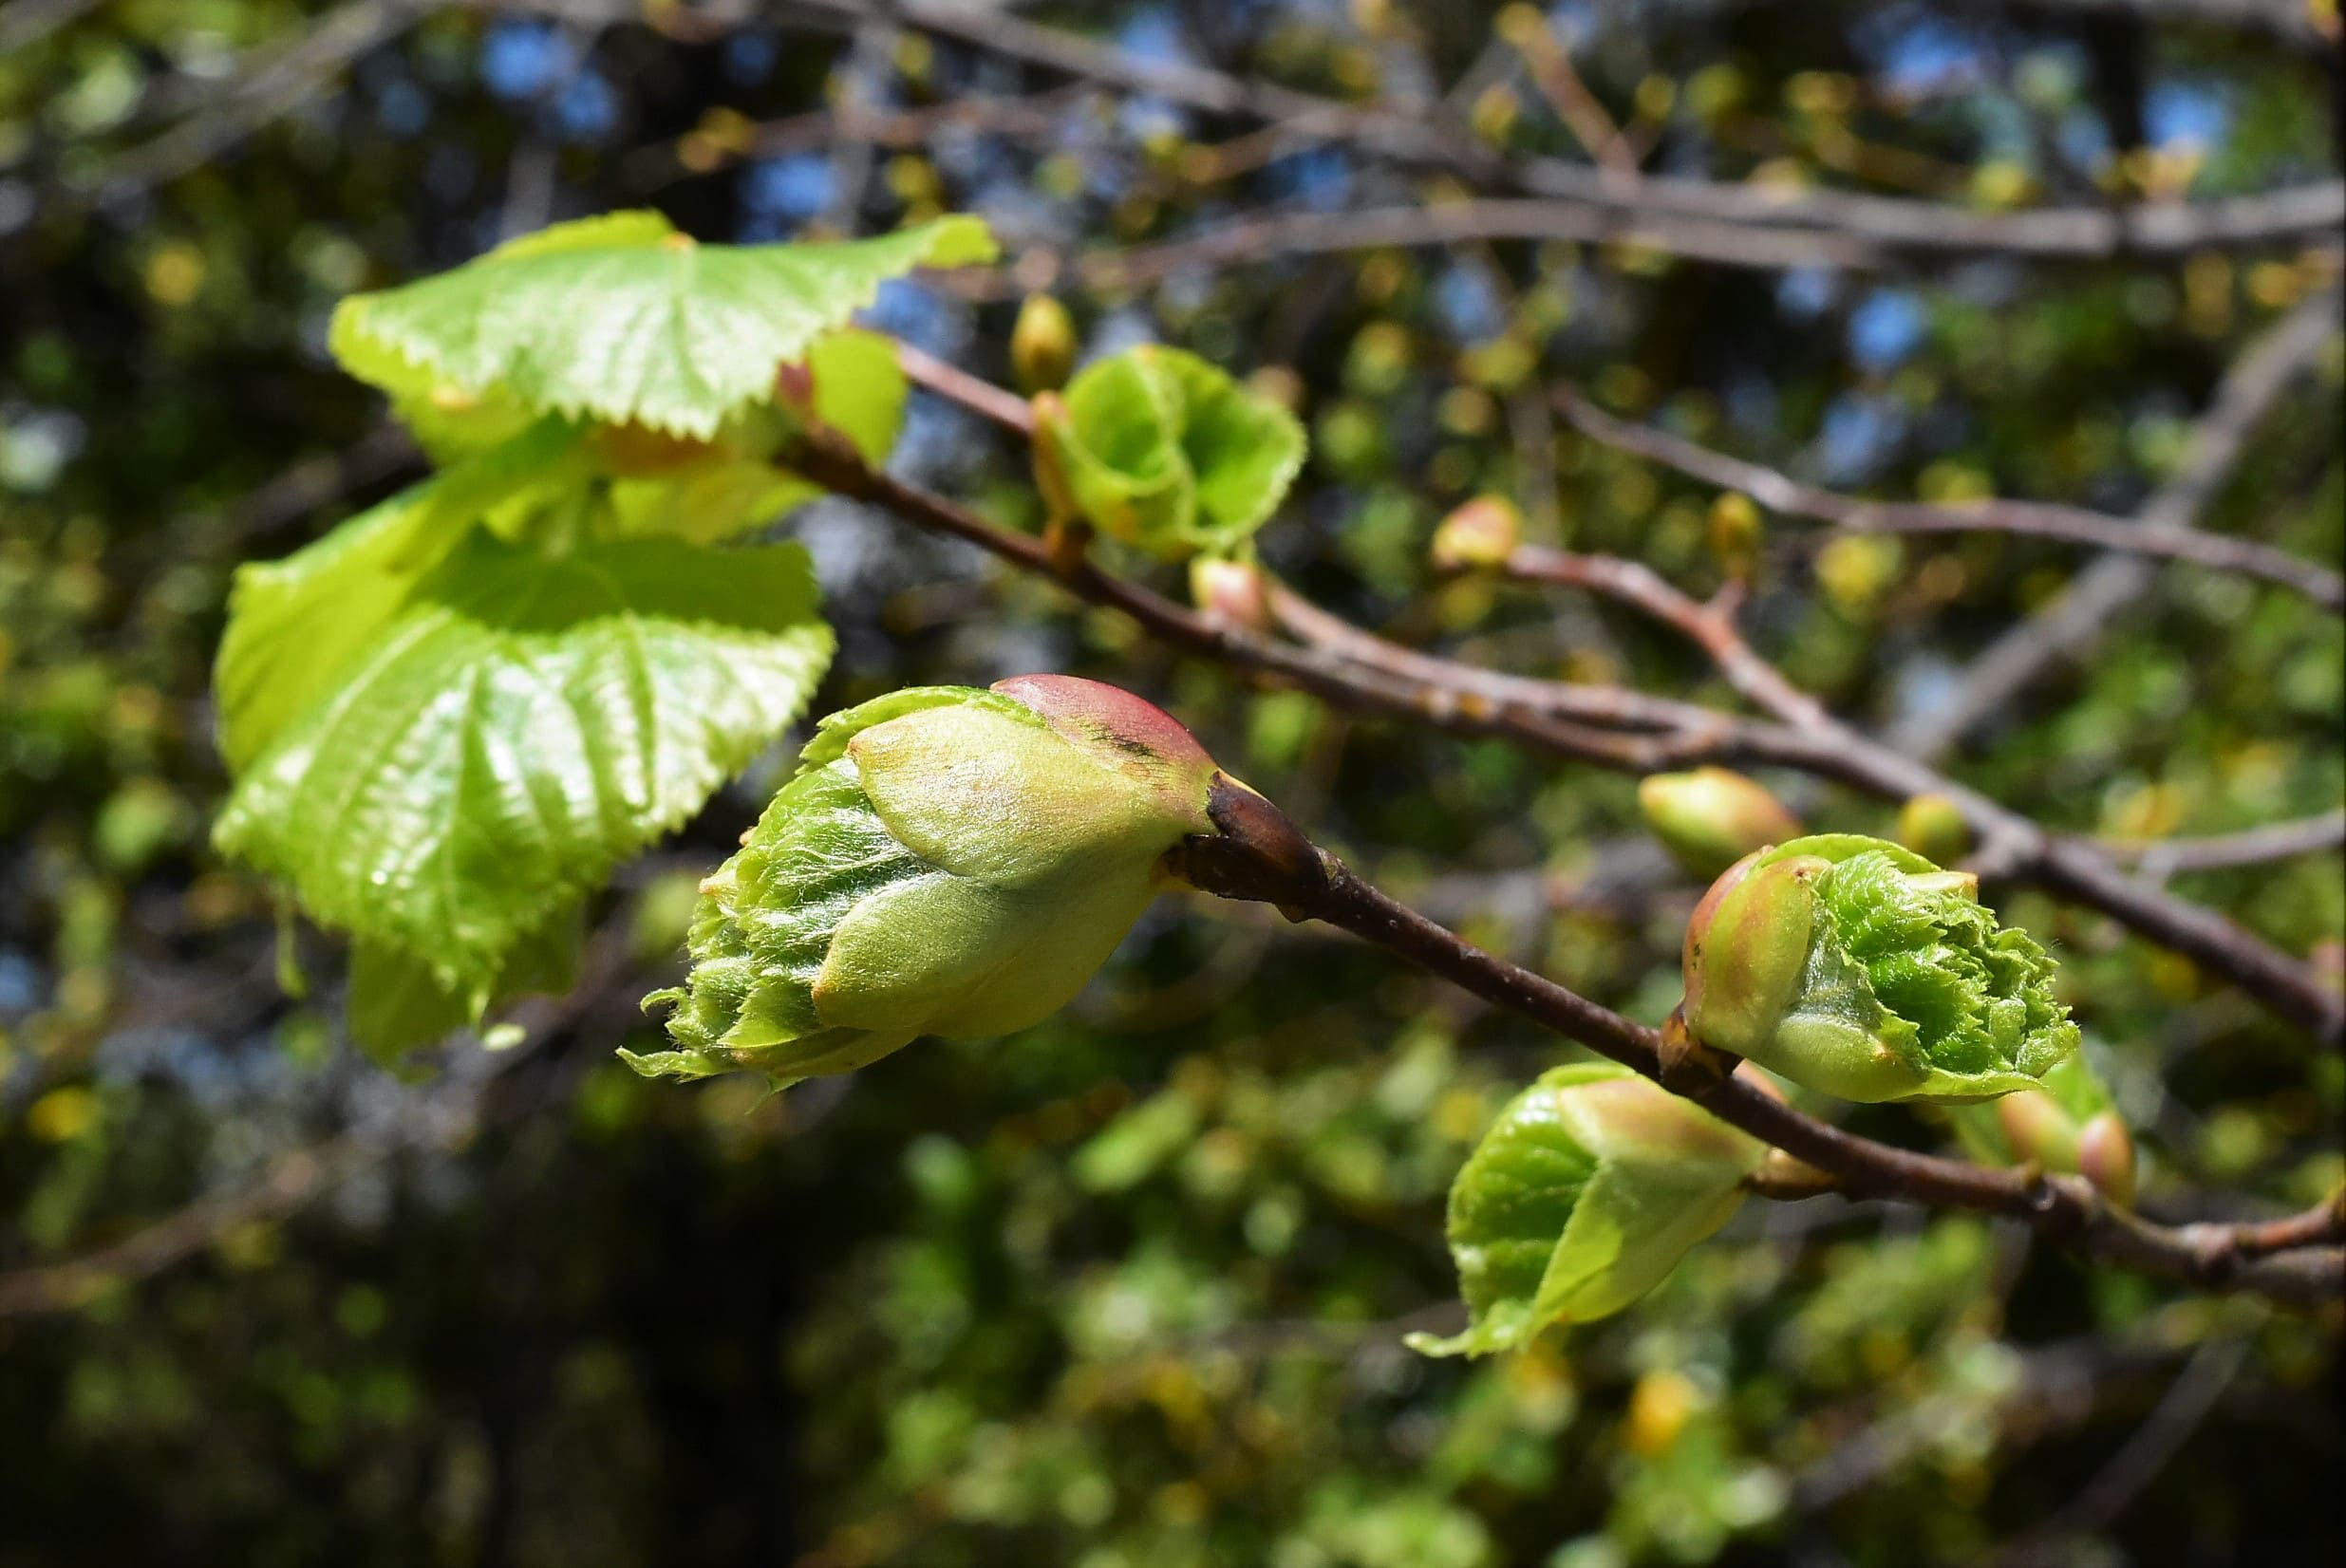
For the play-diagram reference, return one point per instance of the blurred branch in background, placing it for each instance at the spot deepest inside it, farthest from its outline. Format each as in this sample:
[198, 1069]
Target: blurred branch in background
[2067, 625]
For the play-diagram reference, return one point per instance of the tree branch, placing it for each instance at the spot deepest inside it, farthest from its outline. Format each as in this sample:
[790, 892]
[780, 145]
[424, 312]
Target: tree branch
[2033, 520]
[1258, 855]
[1358, 670]
[2075, 617]
[1816, 227]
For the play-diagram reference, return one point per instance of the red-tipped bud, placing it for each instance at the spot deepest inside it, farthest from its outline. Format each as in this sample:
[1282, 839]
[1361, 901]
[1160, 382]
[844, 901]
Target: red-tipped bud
[2036, 1129]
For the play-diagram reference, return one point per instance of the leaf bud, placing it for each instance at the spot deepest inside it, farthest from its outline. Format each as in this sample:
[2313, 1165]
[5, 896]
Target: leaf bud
[1588, 1189]
[2036, 1127]
[1230, 592]
[1711, 817]
[946, 861]
[1734, 533]
[1860, 969]
[1933, 826]
[1043, 344]
[1478, 535]
[2106, 1157]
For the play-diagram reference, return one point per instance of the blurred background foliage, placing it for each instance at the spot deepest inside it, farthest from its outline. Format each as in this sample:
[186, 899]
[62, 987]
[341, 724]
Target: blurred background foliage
[1129, 1289]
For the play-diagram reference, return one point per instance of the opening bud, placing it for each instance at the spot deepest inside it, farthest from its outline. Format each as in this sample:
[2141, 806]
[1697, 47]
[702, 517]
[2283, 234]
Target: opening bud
[946, 861]
[1711, 817]
[1043, 344]
[1478, 535]
[1860, 969]
[1588, 1189]
[1933, 826]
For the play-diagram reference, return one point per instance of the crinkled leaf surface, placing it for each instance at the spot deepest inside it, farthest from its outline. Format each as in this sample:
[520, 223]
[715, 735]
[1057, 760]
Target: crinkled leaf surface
[1581, 1197]
[622, 319]
[1165, 451]
[519, 726]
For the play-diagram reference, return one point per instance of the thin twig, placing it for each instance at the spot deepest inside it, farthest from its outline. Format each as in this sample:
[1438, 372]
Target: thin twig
[1257, 856]
[2073, 618]
[2034, 519]
[1867, 230]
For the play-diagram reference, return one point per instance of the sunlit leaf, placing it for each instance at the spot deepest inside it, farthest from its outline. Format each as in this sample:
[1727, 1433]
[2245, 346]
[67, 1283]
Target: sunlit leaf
[1584, 1194]
[622, 319]
[522, 725]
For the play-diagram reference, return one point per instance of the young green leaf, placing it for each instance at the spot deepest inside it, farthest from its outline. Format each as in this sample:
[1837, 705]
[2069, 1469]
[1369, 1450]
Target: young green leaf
[732, 486]
[1860, 969]
[1162, 450]
[946, 861]
[522, 724]
[1590, 1187]
[622, 319]
[295, 625]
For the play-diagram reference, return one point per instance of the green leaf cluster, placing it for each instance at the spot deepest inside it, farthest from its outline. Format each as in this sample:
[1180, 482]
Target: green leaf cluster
[1588, 1189]
[1858, 968]
[1164, 451]
[450, 718]
[946, 861]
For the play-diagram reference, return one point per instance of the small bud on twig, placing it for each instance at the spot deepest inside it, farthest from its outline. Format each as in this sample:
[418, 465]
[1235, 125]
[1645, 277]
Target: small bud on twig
[1711, 817]
[1478, 535]
[1043, 344]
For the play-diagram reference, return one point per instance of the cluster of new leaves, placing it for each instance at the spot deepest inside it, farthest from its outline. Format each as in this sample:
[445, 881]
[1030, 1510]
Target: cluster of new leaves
[1860, 969]
[1163, 451]
[449, 719]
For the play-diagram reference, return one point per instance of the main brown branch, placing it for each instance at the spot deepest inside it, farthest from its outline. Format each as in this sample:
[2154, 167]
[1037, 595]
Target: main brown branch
[1616, 728]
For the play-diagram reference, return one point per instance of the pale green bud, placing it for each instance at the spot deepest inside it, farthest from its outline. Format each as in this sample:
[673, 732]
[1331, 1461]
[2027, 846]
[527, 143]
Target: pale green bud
[1588, 1189]
[1478, 535]
[2066, 1125]
[946, 861]
[1860, 969]
[1043, 344]
[1734, 533]
[2106, 1157]
[1712, 818]
[1933, 826]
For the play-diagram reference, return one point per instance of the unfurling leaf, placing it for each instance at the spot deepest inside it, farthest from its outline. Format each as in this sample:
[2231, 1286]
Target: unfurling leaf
[509, 731]
[1590, 1187]
[622, 319]
[1860, 969]
[1710, 817]
[1161, 449]
[946, 861]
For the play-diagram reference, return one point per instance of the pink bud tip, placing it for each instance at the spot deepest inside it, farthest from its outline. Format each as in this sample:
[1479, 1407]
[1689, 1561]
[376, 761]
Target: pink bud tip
[1081, 709]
